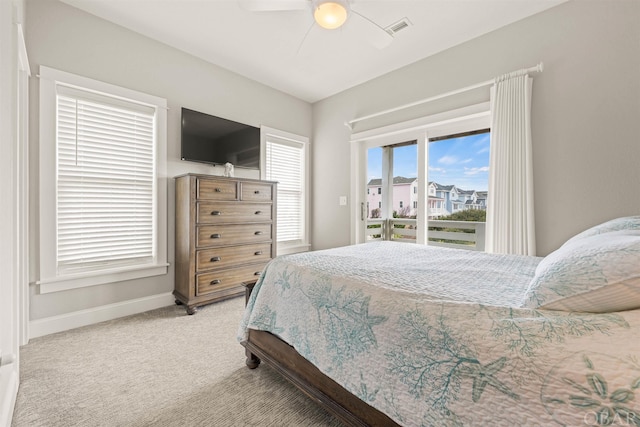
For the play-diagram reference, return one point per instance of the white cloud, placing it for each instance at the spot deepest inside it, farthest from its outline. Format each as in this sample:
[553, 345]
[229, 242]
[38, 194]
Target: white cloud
[448, 160]
[474, 171]
[434, 169]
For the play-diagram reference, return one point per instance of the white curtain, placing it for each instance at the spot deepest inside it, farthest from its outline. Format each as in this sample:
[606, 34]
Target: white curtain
[510, 216]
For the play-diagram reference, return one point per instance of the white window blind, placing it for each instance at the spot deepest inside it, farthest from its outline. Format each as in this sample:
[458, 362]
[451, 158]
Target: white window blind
[285, 163]
[105, 188]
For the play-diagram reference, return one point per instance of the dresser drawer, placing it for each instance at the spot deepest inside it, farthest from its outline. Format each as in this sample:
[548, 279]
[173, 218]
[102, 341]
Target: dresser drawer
[225, 257]
[209, 189]
[224, 279]
[217, 213]
[254, 192]
[223, 235]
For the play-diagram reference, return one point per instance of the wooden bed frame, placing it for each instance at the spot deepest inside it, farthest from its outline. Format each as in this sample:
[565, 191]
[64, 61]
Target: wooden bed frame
[352, 411]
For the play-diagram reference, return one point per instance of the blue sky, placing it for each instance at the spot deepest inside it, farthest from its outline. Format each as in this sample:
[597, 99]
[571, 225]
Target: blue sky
[461, 161]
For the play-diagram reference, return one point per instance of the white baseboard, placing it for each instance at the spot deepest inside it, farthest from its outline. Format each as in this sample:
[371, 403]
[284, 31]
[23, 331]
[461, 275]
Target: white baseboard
[8, 393]
[63, 322]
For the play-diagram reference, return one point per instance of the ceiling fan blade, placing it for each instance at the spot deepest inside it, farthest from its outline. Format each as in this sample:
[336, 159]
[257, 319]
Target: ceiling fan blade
[273, 5]
[368, 31]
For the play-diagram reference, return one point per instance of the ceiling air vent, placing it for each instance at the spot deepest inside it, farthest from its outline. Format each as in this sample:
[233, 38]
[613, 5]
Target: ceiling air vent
[395, 28]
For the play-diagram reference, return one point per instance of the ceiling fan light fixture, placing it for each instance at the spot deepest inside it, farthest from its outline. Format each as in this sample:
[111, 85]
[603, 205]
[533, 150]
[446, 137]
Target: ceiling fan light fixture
[330, 14]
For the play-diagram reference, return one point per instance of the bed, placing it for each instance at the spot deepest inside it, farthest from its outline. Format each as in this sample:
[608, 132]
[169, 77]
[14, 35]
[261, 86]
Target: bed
[389, 333]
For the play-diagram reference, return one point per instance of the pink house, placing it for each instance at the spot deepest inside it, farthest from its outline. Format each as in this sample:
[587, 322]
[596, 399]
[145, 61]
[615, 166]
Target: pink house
[405, 196]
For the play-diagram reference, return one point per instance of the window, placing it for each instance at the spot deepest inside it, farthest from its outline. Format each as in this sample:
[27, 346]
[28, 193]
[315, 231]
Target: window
[285, 160]
[425, 131]
[460, 161]
[102, 155]
[379, 190]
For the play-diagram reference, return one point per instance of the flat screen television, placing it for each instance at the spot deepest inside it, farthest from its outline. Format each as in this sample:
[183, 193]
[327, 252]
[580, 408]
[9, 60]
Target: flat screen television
[214, 140]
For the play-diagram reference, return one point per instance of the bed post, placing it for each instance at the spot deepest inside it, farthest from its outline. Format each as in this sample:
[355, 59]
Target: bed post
[252, 360]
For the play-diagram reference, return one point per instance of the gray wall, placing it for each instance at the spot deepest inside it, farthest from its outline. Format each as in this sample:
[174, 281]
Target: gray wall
[586, 109]
[586, 105]
[82, 44]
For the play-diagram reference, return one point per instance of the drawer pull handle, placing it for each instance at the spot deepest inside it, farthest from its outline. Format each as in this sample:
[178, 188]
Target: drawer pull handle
[216, 213]
[258, 212]
[218, 190]
[258, 253]
[216, 258]
[216, 281]
[256, 192]
[258, 233]
[257, 273]
[216, 236]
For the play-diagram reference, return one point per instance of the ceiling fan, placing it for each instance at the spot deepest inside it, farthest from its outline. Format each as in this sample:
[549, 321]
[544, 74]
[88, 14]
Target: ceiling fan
[328, 14]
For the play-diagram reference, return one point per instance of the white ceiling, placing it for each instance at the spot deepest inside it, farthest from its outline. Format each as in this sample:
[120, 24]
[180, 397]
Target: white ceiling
[270, 47]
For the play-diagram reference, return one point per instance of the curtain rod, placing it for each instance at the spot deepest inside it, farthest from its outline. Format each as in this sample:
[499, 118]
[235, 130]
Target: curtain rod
[536, 69]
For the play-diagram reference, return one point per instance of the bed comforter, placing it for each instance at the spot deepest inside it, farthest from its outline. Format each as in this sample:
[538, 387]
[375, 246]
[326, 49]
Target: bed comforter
[437, 337]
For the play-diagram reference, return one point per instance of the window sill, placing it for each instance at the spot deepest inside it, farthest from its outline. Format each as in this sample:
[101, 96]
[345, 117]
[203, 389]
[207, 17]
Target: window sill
[67, 282]
[284, 249]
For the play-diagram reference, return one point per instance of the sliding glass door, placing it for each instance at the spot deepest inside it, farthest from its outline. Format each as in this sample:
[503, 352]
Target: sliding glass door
[392, 192]
[407, 185]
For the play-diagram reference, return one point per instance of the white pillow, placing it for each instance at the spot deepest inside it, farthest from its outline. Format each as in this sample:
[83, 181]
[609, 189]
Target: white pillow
[597, 274]
[623, 223]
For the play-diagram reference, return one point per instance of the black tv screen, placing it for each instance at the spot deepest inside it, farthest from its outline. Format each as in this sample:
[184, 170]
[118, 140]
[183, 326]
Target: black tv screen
[215, 140]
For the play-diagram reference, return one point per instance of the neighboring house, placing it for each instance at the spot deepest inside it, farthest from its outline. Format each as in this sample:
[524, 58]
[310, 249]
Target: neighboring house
[405, 196]
[470, 198]
[449, 194]
[455, 200]
[442, 200]
[482, 199]
[438, 197]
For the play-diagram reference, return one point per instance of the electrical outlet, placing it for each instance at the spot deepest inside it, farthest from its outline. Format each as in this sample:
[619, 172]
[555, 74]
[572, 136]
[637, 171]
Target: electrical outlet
[343, 201]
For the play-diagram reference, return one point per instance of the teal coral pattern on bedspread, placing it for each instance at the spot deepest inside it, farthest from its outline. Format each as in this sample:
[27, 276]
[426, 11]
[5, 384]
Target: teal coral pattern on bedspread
[426, 359]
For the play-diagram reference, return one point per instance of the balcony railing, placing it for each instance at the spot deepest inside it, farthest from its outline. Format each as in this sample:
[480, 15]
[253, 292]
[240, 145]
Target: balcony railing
[453, 234]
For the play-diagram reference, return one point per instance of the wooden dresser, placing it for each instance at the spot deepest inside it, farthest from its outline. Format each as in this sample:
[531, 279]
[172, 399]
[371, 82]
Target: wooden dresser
[225, 235]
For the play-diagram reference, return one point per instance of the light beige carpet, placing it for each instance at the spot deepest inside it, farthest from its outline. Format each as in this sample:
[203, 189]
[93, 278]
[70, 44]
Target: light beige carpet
[160, 368]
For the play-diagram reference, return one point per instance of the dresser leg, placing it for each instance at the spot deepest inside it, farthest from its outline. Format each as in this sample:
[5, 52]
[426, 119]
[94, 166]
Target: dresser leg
[191, 310]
